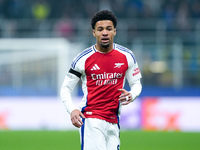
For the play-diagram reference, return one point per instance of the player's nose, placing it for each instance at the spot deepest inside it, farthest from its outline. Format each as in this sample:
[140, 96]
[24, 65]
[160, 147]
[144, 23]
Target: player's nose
[105, 32]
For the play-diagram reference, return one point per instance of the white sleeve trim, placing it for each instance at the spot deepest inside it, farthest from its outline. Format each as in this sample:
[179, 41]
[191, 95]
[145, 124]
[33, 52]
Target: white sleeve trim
[67, 87]
[136, 88]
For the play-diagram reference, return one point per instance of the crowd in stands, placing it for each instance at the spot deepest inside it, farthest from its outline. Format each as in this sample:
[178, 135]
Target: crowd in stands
[179, 11]
[42, 9]
[175, 13]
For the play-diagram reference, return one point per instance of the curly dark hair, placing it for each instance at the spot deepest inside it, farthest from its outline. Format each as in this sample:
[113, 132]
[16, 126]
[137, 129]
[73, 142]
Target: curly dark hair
[103, 15]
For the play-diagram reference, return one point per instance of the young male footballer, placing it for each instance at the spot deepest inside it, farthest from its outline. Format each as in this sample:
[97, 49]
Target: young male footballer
[102, 69]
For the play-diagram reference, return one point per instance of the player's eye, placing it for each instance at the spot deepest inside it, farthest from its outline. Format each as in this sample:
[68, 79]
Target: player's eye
[99, 29]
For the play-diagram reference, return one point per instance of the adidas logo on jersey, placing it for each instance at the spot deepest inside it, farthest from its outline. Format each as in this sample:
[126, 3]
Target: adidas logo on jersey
[95, 67]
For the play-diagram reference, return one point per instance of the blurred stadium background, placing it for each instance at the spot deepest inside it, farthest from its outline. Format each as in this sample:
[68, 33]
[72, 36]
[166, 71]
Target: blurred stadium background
[38, 40]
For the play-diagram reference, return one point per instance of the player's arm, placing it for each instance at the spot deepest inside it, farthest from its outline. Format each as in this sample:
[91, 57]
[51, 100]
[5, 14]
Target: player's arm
[136, 88]
[133, 76]
[129, 96]
[67, 87]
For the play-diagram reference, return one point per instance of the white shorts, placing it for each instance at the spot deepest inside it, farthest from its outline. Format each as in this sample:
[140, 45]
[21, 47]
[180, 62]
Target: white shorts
[97, 134]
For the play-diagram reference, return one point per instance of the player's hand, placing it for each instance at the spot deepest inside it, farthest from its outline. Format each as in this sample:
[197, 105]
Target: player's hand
[125, 98]
[75, 118]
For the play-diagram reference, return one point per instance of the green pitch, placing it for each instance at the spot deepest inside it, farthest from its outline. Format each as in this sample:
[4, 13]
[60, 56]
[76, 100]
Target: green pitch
[69, 140]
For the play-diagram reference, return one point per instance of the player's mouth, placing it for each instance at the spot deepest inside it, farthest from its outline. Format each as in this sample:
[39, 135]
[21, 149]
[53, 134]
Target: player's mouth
[105, 40]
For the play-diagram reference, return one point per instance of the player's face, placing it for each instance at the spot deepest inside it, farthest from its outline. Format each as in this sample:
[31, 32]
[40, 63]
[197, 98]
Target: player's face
[104, 32]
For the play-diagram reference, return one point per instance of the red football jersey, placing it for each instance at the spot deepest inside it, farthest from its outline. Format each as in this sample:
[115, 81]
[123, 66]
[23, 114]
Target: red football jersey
[102, 75]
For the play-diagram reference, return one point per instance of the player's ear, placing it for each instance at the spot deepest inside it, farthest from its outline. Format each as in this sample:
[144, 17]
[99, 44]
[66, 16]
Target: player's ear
[115, 31]
[93, 31]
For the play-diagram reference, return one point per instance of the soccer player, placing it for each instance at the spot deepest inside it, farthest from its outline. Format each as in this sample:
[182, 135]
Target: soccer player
[102, 69]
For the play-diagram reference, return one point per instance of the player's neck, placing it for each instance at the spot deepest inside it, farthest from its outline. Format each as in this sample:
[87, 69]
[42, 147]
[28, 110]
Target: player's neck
[104, 50]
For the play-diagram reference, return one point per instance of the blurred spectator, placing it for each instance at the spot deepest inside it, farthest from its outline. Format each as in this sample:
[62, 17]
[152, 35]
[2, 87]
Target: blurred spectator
[1, 8]
[41, 10]
[118, 7]
[13, 8]
[182, 18]
[147, 12]
[133, 8]
[105, 4]
[27, 11]
[64, 27]
[169, 15]
[10, 29]
[154, 7]
[195, 9]
[90, 8]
